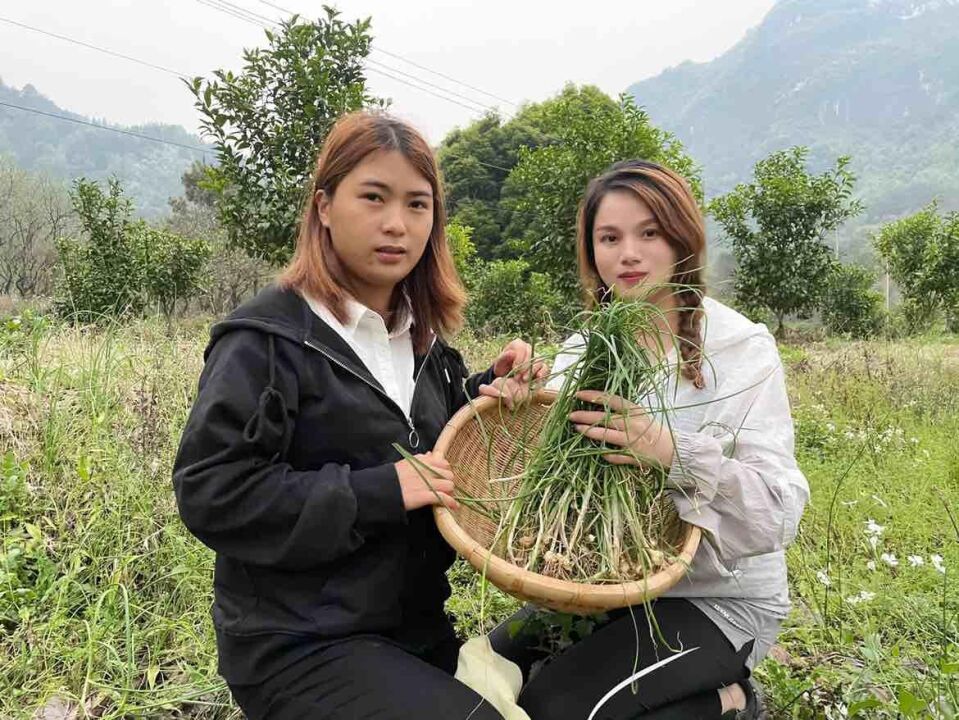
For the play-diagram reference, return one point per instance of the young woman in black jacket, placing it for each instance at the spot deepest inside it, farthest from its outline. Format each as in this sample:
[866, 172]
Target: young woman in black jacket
[330, 580]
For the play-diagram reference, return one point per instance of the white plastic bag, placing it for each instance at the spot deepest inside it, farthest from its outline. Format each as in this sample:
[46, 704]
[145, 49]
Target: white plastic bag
[491, 675]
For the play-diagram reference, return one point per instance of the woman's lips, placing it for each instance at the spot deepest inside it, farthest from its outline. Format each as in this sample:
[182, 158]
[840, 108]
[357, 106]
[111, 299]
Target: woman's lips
[633, 278]
[390, 254]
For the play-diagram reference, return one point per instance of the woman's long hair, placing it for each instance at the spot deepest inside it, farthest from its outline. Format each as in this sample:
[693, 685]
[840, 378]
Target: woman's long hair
[672, 203]
[434, 289]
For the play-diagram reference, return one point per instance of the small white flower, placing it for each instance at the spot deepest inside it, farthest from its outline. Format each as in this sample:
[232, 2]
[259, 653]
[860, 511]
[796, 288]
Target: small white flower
[916, 560]
[824, 578]
[874, 541]
[889, 559]
[914, 440]
[938, 563]
[830, 427]
[864, 596]
[874, 528]
[871, 565]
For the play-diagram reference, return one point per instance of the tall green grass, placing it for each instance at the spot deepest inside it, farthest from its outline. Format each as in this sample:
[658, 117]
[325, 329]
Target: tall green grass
[104, 596]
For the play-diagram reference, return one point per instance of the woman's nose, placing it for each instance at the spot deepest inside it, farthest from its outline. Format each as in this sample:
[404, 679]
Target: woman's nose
[393, 220]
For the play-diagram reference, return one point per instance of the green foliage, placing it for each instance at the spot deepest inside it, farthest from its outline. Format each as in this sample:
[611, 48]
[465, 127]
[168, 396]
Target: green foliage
[922, 254]
[174, 266]
[460, 238]
[508, 298]
[484, 218]
[850, 305]
[105, 596]
[588, 132]
[101, 273]
[122, 265]
[269, 120]
[778, 225]
[875, 423]
[476, 161]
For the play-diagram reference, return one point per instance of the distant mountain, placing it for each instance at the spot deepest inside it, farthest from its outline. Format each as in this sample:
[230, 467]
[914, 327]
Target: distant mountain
[875, 79]
[150, 172]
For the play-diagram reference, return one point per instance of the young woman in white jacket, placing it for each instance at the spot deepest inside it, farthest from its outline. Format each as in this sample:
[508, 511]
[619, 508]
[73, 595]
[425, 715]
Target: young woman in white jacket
[729, 448]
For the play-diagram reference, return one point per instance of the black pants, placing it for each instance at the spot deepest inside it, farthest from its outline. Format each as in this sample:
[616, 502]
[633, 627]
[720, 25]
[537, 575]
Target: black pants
[366, 677]
[569, 686]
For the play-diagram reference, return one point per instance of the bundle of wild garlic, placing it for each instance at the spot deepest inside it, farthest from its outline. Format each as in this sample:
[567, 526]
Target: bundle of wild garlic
[572, 514]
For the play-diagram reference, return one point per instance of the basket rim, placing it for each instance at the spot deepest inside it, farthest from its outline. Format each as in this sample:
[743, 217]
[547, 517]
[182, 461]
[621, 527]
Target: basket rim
[513, 578]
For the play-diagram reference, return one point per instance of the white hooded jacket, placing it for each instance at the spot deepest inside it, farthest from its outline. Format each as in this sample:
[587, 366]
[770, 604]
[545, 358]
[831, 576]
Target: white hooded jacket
[734, 474]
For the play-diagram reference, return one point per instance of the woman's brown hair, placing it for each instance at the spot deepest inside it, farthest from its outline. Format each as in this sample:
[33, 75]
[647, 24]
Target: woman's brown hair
[672, 203]
[434, 289]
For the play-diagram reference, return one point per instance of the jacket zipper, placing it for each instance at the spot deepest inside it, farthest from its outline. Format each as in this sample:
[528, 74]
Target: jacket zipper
[414, 436]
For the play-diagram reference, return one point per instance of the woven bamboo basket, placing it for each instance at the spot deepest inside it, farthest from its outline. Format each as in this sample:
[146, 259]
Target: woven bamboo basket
[496, 448]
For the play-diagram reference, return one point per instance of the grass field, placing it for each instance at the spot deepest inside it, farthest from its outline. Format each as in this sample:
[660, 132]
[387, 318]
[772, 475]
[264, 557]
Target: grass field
[104, 596]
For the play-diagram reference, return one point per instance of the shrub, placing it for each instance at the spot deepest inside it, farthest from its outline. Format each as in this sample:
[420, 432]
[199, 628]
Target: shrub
[850, 306]
[508, 298]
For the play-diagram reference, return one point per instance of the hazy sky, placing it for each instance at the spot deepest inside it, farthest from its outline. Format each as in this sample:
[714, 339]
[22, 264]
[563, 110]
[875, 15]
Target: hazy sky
[515, 50]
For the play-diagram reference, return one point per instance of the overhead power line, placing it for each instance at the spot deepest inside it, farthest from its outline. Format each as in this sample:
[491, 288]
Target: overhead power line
[377, 48]
[397, 56]
[91, 46]
[476, 106]
[107, 128]
[240, 12]
[426, 90]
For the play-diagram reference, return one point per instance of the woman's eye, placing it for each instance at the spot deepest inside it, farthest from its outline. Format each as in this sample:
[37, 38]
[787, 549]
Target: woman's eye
[373, 197]
[607, 238]
[419, 205]
[651, 233]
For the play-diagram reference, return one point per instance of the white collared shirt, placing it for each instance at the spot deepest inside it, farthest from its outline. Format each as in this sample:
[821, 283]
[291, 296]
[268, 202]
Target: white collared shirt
[387, 355]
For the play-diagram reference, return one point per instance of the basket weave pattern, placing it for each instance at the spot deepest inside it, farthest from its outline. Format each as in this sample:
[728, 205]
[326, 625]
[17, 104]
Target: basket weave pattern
[486, 456]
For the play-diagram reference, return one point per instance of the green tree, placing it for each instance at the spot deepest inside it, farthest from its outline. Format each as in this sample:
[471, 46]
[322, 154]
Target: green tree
[778, 225]
[508, 297]
[269, 120]
[101, 272]
[476, 160]
[850, 305]
[231, 274]
[464, 252]
[588, 132]
[174, 266]
[921, 253]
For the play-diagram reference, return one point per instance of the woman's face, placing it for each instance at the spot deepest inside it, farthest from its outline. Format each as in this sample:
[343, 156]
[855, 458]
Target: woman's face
[379, 220]
[630, 248]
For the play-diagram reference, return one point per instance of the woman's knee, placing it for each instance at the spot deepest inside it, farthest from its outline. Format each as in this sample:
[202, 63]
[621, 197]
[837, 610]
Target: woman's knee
[552, 703]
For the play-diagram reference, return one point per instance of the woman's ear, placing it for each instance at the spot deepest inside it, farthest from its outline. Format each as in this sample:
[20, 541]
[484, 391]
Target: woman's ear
[322, 200]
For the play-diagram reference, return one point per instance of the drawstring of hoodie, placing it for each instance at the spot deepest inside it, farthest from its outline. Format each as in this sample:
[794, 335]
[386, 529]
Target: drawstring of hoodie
[270, 418]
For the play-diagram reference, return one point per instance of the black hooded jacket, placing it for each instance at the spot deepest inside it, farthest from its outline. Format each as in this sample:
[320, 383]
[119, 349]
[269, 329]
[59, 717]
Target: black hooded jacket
[285, 469]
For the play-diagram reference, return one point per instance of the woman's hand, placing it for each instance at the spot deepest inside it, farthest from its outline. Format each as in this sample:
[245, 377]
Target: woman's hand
[517, 374]
[629, 427]
[421, 487]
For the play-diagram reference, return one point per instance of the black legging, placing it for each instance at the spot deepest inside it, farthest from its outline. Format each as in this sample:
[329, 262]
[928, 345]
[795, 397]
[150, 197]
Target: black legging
[366, 678]
[570, 685]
